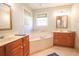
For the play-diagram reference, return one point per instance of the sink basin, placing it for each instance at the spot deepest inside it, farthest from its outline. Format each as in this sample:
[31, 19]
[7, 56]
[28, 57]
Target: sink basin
[20, 34]
[1, 37]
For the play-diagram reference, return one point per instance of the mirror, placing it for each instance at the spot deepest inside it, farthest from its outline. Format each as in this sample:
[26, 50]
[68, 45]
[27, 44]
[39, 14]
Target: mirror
[5, 17]
[62, 21]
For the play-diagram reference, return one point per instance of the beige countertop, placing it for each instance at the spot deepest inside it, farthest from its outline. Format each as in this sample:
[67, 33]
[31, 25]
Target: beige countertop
[9, 39]
[64, 31]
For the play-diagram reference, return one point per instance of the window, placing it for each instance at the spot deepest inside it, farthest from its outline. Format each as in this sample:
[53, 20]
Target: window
[41, 20]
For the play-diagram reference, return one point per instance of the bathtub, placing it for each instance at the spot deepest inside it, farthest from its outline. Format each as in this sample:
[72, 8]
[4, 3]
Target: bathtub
[40, 41]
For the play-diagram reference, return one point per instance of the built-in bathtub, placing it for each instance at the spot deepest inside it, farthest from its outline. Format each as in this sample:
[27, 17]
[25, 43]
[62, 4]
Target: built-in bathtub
[40, 41]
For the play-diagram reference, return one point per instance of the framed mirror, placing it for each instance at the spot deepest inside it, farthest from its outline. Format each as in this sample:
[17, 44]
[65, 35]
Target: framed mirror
[5, 17]
[62, 21]
[58, 22]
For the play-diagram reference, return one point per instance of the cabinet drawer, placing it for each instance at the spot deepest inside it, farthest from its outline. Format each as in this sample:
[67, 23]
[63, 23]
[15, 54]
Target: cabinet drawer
[58, 41]
[14, 44]
[57, 34]
[14, 48]
[64, 34]
[18, 51]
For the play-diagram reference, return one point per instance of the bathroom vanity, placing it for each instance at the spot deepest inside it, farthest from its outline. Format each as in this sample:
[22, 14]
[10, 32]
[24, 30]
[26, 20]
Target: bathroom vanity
[15, 46]
[66, 39]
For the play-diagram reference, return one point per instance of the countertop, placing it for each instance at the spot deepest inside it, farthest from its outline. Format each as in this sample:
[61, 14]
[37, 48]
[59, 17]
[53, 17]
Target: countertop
[9, 39]
[64, 31]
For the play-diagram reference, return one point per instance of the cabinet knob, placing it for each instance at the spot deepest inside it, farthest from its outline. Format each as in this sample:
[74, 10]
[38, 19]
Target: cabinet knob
[21, 46]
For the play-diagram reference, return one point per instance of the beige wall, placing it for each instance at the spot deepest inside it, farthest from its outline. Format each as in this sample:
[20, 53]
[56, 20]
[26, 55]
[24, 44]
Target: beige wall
[75, 22]
[51, 17]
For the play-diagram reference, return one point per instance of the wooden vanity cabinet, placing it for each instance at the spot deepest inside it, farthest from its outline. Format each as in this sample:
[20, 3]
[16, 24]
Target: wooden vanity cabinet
[19, 47]
[2, 51]
[64, 39]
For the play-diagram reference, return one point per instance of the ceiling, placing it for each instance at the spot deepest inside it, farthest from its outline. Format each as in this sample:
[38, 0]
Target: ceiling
[44, 5]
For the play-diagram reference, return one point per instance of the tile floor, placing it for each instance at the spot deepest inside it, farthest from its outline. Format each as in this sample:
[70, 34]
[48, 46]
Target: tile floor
[62, 51]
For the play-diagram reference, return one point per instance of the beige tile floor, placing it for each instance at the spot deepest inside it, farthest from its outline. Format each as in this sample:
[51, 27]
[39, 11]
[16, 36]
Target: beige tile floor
[62, 51]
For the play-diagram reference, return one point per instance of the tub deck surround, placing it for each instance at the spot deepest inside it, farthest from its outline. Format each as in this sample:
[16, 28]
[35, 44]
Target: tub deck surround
[39, 45]
[39, 35]
[40, 41]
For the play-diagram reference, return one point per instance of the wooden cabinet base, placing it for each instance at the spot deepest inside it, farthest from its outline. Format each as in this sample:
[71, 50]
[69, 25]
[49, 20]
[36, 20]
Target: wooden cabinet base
[19, 47]
[64, 39]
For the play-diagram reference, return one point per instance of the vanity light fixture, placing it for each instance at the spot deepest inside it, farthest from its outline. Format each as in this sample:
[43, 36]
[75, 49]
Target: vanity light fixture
[61, 14]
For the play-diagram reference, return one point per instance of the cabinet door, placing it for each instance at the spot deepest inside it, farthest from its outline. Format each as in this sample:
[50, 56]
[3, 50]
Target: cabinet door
[64, 39]
[14, 48]
[57, 39]
[26, 45]
[70, 41]
[2, 51]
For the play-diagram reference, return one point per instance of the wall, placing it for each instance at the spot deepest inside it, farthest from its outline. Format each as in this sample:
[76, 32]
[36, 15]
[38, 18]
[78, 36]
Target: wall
[17, 18]
[51, 17]
[18, 15]
[75, 22]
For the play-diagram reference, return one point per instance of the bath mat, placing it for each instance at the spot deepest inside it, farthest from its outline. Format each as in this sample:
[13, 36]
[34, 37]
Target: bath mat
[53, 54]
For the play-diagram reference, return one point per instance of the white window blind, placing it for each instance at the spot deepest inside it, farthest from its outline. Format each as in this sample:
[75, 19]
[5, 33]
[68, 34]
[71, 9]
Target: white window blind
[41, 20]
